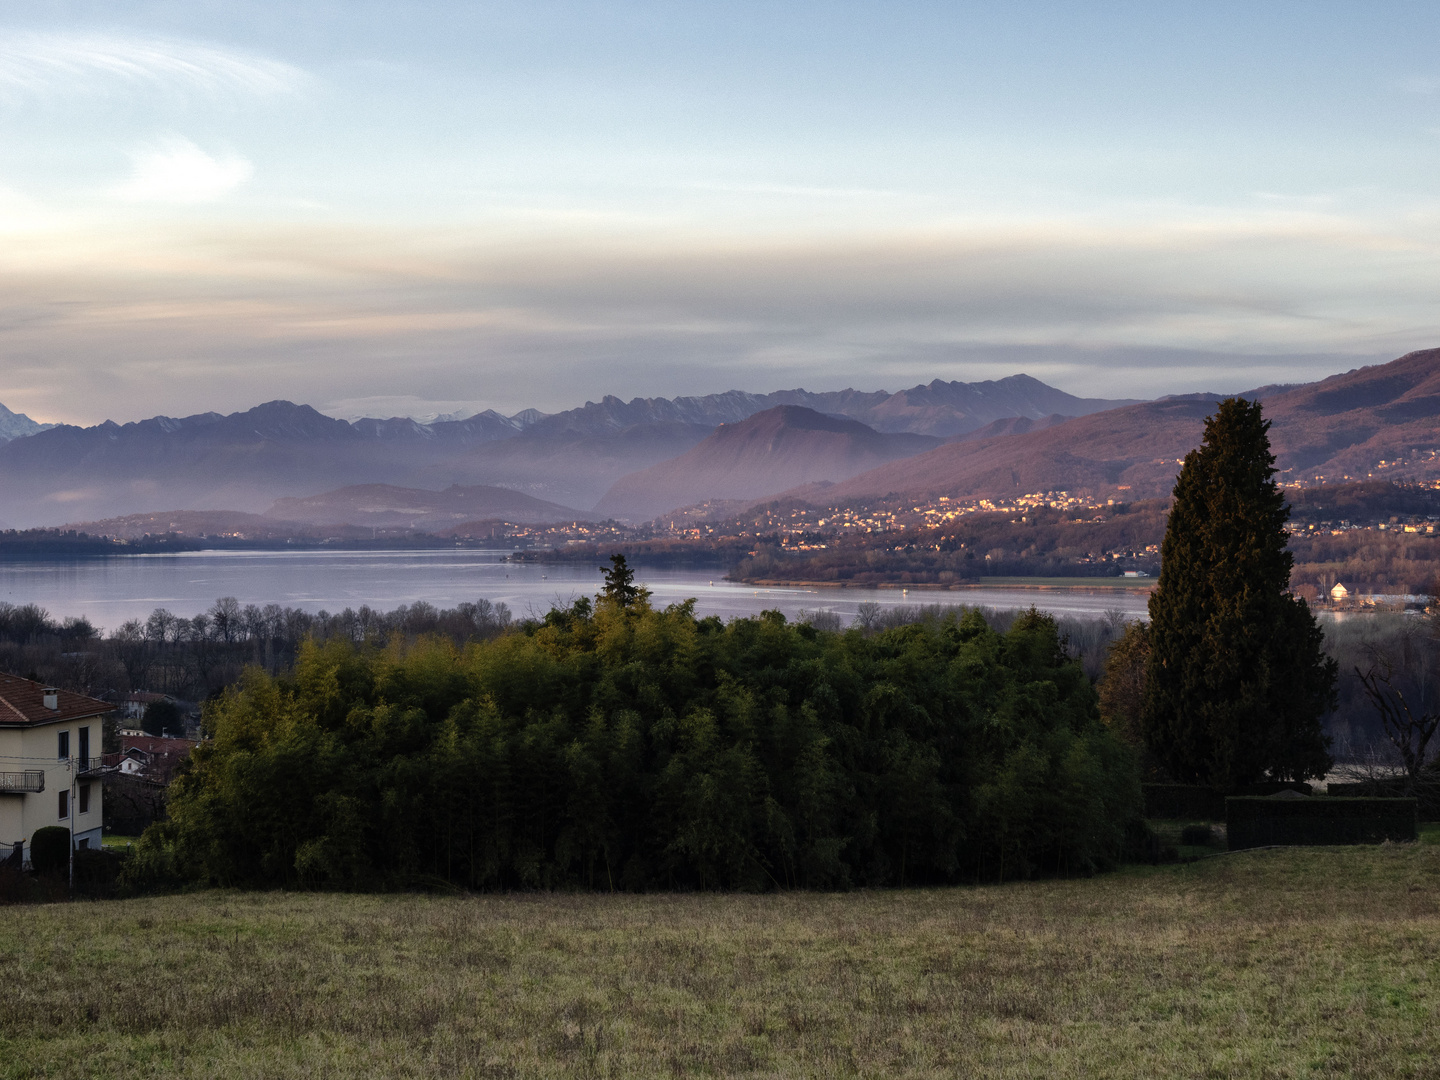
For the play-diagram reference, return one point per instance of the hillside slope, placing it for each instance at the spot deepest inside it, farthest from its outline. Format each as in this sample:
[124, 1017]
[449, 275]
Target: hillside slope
[1378, 421]
[768, 452]
[387, 506]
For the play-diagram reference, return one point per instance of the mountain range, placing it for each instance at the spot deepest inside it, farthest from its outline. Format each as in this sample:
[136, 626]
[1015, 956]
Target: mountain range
[635, 460]
[247, 461]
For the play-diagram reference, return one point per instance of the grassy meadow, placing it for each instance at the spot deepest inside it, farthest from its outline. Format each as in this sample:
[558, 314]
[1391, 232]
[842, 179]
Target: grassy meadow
[1284, 963]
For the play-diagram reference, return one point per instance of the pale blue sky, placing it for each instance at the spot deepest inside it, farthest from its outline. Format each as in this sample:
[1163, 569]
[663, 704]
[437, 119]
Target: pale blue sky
[411, 208]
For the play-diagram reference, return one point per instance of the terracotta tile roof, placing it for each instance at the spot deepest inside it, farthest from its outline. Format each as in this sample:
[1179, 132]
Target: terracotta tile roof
[154, 744]
[22, 704]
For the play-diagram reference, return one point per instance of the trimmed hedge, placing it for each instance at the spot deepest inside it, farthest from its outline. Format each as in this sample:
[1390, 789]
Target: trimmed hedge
[1196, 802]
[50, 850]
[1183, 801]
[1258, 821]
[1428, 794]
[1274, 787]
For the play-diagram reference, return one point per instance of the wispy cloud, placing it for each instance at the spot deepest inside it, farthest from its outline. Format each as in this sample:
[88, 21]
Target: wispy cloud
[33, 65]
[178, 171]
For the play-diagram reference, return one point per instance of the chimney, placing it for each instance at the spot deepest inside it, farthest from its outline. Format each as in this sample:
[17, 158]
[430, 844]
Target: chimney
[51, 698]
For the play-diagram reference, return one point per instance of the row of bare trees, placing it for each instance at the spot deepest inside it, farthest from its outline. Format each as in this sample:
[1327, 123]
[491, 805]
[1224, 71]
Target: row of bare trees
[195, 657]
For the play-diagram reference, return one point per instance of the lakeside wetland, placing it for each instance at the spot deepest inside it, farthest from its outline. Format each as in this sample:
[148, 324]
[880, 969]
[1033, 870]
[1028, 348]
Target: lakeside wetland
[1318, 962]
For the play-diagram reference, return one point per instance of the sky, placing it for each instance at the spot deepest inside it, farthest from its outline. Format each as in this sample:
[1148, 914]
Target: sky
[420, 208]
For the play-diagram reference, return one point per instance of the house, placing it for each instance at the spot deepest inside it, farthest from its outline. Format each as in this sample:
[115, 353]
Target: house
[149, 756]
[134, 705]
[138, 778]
[49, 762]
[132, 762]
[1339, 592]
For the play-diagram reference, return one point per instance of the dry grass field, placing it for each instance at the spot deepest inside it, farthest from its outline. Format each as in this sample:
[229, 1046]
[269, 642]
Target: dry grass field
[1277, 963]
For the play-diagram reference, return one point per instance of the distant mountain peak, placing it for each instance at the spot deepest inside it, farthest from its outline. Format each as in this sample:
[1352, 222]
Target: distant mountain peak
[15, 425]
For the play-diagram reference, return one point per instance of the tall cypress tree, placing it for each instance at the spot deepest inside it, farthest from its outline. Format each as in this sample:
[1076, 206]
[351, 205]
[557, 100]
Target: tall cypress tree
[1236, 681]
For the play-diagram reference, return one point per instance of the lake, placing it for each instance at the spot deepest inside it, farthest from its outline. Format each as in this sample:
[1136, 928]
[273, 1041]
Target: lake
[109, 591]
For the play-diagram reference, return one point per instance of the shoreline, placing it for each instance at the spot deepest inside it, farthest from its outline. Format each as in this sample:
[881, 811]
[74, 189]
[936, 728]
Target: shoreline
[1057, 584]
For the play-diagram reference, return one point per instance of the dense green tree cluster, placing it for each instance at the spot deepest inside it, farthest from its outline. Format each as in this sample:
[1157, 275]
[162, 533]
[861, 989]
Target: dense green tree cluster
[618, 747]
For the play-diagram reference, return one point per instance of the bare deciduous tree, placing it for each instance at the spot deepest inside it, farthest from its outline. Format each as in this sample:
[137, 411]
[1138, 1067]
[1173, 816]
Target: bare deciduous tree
[1408, 728]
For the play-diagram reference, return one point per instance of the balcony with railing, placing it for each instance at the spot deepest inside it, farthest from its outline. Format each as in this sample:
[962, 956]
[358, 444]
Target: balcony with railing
[29, 782]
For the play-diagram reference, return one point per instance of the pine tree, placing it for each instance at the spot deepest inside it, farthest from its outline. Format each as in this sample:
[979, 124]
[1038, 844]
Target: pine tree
[620, 587]
[1237, 681]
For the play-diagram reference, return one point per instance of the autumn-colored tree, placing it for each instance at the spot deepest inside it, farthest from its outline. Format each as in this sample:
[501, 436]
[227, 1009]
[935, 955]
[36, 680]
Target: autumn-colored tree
[1122, 690]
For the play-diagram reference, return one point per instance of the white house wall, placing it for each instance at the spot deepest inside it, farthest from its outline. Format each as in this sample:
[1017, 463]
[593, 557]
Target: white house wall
[37, 748]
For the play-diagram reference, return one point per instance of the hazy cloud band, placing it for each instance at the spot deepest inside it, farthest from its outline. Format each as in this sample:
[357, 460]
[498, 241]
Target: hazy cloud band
[229, 319]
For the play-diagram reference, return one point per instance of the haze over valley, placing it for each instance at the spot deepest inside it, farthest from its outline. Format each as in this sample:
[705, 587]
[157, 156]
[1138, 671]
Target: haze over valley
[247, 461]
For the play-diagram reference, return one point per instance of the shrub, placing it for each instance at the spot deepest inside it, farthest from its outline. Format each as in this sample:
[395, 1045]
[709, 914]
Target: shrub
[1427, 794]
[1180, 802]
[1254, 821]
[97, 870]
[1197, 835]
[150, 867]
[50, 850]
[1144, 845]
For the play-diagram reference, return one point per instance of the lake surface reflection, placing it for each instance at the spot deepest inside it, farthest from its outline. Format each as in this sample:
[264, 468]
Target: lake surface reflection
[110, 591]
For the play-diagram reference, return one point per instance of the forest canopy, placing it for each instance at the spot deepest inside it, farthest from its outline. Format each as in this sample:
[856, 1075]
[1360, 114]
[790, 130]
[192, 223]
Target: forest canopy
[615, 746]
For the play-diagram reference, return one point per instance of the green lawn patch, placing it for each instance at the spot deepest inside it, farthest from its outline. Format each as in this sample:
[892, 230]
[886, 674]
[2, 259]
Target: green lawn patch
[1314, 962]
